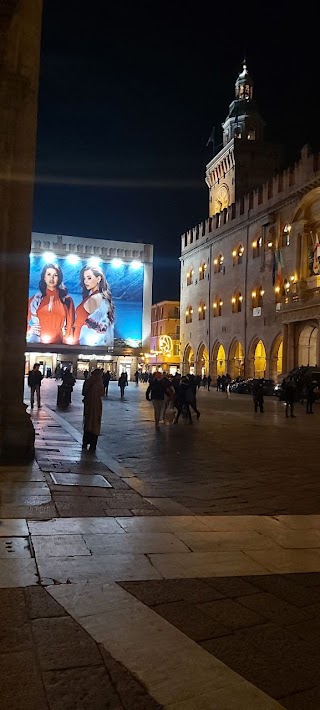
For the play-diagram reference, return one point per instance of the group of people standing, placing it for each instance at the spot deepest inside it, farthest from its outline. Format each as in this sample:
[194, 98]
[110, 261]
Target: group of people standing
[53, 318]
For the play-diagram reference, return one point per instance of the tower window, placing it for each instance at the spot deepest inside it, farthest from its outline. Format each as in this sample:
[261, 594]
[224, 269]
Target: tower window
[286, 235]
[238, 255]
[189, 313]
[219, 264]
[257, 297]
[190, 277]
[237, 132]
[202, 311]
[202, 271]
[217, 307]
[257, 246]
[251, 134]
[236, 302]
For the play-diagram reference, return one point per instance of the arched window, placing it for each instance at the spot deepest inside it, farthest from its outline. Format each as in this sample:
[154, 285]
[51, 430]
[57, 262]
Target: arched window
[285, 287]
[257, 297]
[237, 132]
[202, 271]
[217, 307]
[286, 235]
[189, 313]
[236, 302]
[219, 264]
[190, 277]
[237, 255]
[202, 311]
[257, 246]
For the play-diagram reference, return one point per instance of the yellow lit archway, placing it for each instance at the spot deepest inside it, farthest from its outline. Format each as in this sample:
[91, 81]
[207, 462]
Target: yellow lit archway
[188, 360]
[236, 360]
[202, 360]
[259, 360]
[221, 361]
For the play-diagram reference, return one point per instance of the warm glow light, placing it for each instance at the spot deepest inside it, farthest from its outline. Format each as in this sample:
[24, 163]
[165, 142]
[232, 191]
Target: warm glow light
[253, 294]
[200, 268]
[188, 274]
[241, 250]
[136, 264]
[199, 309]
[240, 298]
[204, 308]
[292, 278]
[214, 305]
[254, 244]
[233, 300]
[204, 266]
[191, 310]
[49, 256]
[234, 253]
[277, 289]
[187, 313]
[261, 292]
[117, 263]
[72, 259]
[287, 285]
[215, 262]
[269, 245]
[221, 303]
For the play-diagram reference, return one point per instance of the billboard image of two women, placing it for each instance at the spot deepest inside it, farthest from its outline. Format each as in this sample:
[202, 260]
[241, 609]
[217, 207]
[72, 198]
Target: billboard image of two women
[88, 303]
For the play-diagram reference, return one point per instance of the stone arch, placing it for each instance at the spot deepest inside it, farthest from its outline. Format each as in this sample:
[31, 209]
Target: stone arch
[202, 362]
[308, 345]
[188, 360]
[219, 361]
[236, 359]
[276, 354]
[257, 365]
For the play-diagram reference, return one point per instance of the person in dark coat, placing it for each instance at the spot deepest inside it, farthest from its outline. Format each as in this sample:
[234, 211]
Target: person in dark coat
[257, 393]
[209, 380]
[289, 396]
[186, 399]
[92, 392]
[106, 379]
[156, 393]
[34, 382]
[310, 397]
[122, 383]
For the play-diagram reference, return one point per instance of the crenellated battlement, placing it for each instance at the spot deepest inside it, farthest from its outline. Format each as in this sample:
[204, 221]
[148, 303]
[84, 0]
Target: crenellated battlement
[282, 186]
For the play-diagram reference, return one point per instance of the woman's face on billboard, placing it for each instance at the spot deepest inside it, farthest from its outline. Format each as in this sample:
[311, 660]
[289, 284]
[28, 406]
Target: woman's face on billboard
[91, 281]
[51, 279]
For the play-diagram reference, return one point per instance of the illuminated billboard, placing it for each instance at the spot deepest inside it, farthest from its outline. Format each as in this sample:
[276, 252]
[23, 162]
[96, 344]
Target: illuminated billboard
[87, 303]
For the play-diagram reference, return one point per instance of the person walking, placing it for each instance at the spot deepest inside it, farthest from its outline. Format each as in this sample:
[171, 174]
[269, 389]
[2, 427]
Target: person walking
[209, 380]
[257, 393]
[92, 392]
[156, 393]
[186, 399]
[136, 378]
[105, 380]
[218, 383]
[290, 396]
[34, 382]
[122, 382]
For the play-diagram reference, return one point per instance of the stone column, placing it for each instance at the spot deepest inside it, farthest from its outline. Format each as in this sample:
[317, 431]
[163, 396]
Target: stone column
[20, 30]
[291, 347]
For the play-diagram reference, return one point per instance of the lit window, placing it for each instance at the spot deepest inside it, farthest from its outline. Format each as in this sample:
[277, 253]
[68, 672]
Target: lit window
[190, 277]
[257, 246]
[189, 313]
[219, 264]
[217, 307]
[202, 311]
[202, 271]
[257, 297]
[236, 302]
[237, 254]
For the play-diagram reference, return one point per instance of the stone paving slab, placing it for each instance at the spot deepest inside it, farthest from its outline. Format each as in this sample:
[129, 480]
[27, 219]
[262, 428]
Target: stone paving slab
[48, 661]
[278, 649]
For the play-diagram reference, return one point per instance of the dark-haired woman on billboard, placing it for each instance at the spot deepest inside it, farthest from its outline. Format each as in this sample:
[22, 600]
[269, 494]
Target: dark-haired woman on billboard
[94, 323]
[51, 311]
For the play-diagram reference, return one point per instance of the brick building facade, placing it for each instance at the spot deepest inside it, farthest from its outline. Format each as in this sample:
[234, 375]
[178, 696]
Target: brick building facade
[250, 273]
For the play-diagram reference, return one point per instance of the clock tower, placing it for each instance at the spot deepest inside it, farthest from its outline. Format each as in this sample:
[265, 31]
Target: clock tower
[245, 160]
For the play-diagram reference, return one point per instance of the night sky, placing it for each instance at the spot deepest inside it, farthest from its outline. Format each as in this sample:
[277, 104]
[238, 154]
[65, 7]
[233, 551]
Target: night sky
[129, 92]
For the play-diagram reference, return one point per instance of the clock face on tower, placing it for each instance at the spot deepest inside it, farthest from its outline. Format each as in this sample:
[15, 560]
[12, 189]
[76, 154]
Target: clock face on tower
[222, 198]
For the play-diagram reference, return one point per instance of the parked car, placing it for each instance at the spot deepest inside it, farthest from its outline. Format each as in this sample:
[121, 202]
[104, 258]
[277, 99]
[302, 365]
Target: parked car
[246, 386]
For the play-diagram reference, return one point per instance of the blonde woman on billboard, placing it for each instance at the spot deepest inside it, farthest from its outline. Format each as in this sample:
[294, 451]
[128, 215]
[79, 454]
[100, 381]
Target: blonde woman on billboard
[51, 311]
[94, 322]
